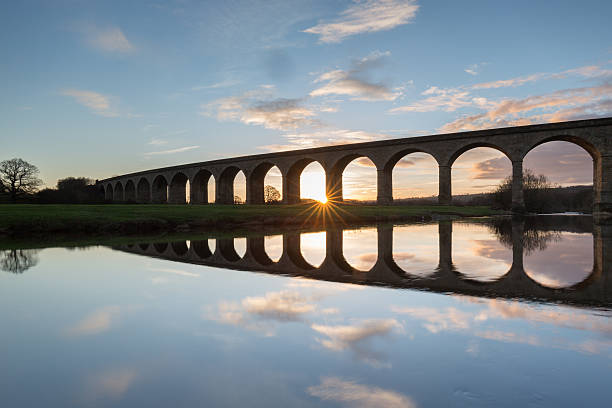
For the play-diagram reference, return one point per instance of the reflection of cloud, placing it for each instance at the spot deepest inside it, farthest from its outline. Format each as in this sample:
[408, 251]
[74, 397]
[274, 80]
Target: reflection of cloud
[508, 337]
[437, 320]
[282, 306]
[357, 337]
[110, 384]
[366, 17]
[175, 272]
[358, 395]
[96, 322]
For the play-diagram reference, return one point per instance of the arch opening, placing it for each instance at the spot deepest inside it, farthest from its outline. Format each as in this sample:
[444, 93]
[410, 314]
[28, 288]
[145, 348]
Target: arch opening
[477, 173]
[130, 191]
[160, 190]
[178, 189]
[143, 191]
[414, 178]
[200, 188]
[557, 177]
[416, 249]
[359, 179]
[180, 248]
[312, 183]
[313, 247]
[273, 246]
[360, 248]
[118, 193]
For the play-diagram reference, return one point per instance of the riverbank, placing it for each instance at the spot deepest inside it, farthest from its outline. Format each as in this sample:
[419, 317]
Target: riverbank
[18, 220]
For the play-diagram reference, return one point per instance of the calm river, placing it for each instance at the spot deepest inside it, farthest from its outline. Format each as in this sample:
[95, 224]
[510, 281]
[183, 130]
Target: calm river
[452, 314]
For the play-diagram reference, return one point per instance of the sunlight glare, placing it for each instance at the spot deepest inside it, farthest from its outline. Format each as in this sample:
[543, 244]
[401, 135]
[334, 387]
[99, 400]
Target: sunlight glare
[312, 183]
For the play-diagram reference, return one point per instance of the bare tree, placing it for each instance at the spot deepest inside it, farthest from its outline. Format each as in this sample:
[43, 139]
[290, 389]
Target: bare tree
[238, 200]
[19, 177]
[271, 194]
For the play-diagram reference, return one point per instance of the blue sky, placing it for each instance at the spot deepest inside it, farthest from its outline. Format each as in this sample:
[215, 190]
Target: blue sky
[103, 88]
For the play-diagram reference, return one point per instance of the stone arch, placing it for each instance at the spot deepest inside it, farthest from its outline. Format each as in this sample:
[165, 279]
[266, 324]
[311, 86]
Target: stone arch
[109, 192]
[101, 192]
[118, 192]
[586, 145]
[143, 191]
[334, 179]
[130, 191]
[474, 145]
[199, 187]
[177, 190]
[143, 247]
[160, 190]
[449, 174]
[388, 179]
[292, 180]
[256, 183]
[224, 189]
[583, 170]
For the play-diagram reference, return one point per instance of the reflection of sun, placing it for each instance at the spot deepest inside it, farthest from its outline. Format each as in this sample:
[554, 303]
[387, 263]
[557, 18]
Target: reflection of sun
[312, 184]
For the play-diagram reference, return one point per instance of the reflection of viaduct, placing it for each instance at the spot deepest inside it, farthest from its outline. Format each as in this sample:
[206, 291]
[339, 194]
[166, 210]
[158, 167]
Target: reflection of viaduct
[594, 290]
[169, 184]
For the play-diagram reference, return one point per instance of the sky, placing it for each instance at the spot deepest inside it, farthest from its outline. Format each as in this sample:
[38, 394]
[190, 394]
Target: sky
[102, 88]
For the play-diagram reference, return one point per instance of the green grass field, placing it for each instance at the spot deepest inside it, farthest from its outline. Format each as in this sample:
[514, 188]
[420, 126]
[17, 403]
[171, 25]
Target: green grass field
[25, 218]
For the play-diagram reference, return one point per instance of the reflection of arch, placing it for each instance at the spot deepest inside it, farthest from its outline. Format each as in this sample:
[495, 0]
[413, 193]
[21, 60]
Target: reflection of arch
[226, 248]
[201, 248]
[177, 189]
[180, 248]
[143, 191]
[130, 191]
[256, 182]
[143, 247]
[293, 194]
[199, 187]
[161, 247]
[118, 192]
[160, 190]
[225, 186]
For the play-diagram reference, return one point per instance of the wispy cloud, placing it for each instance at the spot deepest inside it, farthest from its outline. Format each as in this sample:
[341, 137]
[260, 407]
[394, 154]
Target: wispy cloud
[172, 151]
[108, 39]
[326, 137]
[366, 17]
[259, 107]
[589, 71]
[567, 104]
[449, 100]
[475, 69]
[96, 102]
[158, 142]
[217, 85]
[354, 82]
[357, 395]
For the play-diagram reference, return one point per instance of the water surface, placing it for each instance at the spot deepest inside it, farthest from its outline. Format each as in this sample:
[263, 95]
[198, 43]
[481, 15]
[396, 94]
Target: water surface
[435, 314]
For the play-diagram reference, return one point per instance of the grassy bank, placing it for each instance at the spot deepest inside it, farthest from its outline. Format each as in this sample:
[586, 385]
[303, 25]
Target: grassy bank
[25, 219]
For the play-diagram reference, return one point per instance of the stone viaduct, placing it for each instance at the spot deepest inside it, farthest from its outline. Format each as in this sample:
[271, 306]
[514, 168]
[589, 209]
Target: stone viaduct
[168, 185]
[595, 290]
